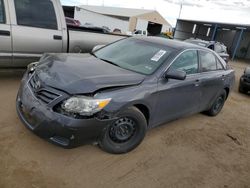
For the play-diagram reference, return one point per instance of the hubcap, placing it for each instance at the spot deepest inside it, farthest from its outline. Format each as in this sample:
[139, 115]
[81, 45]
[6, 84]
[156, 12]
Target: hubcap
[122, 130]
[218, 104]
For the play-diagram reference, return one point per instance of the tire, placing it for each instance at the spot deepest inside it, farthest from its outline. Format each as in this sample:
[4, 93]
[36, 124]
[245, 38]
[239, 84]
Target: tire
[125, 133]
[242, 90]
[217, 105]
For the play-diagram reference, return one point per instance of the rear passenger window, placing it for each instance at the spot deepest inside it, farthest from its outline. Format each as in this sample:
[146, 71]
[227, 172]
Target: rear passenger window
[188, 62]
[209, 62]
[2, 16]
[36, 13]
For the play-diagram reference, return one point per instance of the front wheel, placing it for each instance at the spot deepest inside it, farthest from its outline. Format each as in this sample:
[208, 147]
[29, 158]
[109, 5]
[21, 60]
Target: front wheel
[217, 105]
[125, 133]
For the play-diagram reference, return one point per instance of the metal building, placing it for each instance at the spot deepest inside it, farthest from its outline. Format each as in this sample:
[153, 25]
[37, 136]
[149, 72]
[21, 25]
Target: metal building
[124, 19]
[235, 37]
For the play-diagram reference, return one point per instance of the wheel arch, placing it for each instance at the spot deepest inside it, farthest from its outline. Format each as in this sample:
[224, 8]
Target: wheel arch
[144, 110]
[227, 91]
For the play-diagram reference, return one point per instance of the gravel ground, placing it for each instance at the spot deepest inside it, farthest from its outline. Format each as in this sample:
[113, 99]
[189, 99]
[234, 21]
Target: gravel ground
[197, 151]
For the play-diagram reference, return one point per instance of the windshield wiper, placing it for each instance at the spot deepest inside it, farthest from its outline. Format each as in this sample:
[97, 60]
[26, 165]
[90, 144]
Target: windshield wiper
[93, 54]
[110, 62]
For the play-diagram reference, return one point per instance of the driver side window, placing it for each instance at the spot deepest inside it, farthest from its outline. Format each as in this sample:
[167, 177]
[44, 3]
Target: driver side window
[187, 61]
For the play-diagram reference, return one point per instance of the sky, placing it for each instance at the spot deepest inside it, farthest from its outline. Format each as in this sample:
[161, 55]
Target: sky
[229, 11]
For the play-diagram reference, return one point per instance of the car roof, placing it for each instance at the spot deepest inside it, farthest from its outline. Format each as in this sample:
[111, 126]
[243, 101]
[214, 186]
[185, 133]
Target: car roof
[178, 45]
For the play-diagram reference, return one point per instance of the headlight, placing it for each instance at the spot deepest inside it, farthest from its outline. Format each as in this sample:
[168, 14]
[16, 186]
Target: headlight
[84, 105]
[32, 66]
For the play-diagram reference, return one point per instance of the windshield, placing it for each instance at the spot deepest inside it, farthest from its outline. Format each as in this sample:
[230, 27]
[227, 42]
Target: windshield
[135, 55]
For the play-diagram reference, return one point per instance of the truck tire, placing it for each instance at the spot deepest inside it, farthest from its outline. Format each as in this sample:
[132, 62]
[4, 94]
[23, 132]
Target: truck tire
[125, 133]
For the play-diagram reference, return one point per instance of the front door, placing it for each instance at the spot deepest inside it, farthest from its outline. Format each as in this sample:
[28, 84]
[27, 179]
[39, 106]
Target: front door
[36, 30]
[5, 37]
[177, 98]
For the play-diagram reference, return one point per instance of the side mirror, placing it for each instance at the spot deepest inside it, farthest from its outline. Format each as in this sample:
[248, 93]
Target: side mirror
[97, 47]
[176, 74]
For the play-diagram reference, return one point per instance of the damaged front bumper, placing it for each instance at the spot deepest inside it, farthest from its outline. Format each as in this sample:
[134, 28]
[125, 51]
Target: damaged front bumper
[57, 128]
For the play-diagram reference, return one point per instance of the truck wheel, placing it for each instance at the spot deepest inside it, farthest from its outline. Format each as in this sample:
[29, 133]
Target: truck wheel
[217, 105]
[125, 133]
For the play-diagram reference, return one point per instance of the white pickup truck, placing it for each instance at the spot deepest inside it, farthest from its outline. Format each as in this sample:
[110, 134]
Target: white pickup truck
[29, 28]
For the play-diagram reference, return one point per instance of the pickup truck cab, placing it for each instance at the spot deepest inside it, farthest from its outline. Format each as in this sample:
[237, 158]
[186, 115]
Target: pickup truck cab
[29, 28]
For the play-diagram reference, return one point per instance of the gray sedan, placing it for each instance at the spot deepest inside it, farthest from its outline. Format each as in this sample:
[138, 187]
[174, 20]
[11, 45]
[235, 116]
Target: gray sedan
[114, 95]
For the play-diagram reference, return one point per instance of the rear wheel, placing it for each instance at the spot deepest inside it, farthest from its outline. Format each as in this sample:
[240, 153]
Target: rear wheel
[217, 105]
[125, 133]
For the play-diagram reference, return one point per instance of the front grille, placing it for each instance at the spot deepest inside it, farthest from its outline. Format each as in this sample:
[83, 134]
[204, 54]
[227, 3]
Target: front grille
[40, 92]
[33, 81]
[46, 96]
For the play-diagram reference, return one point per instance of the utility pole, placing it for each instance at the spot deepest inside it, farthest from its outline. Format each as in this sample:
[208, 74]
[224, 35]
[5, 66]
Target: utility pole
[180, 9]
[181, 2]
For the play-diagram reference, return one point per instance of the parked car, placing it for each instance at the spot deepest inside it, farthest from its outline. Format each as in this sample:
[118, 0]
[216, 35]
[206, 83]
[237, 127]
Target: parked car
[244, 86]
[114, 95]
[72, 22]
[87, 24]
[140, 33]
[106, 28]
[117, 31]
[29, 28]
[218, 47]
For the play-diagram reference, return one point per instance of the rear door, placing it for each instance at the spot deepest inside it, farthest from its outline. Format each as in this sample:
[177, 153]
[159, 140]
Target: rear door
[5, 36]
[36, 30]
[212, 78]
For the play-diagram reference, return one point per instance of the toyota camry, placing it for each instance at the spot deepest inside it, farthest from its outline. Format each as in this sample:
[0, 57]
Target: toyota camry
[113, 95]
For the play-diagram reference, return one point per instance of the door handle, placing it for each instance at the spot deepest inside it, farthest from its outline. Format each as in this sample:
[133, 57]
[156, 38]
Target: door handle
[223, 77]
[4, 33]
[197, 83]
[57, 37]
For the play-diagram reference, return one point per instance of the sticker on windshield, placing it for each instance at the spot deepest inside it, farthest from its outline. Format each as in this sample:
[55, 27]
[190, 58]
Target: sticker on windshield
[158, 55]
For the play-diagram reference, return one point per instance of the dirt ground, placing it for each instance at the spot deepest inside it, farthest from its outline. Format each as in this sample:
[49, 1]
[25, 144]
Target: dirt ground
[197, 151]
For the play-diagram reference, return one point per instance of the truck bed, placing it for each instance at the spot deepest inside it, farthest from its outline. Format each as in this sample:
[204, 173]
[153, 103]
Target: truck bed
[82, 40]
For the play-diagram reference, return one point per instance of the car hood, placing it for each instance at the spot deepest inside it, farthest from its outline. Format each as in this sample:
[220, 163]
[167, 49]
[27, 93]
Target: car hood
[83, 73]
